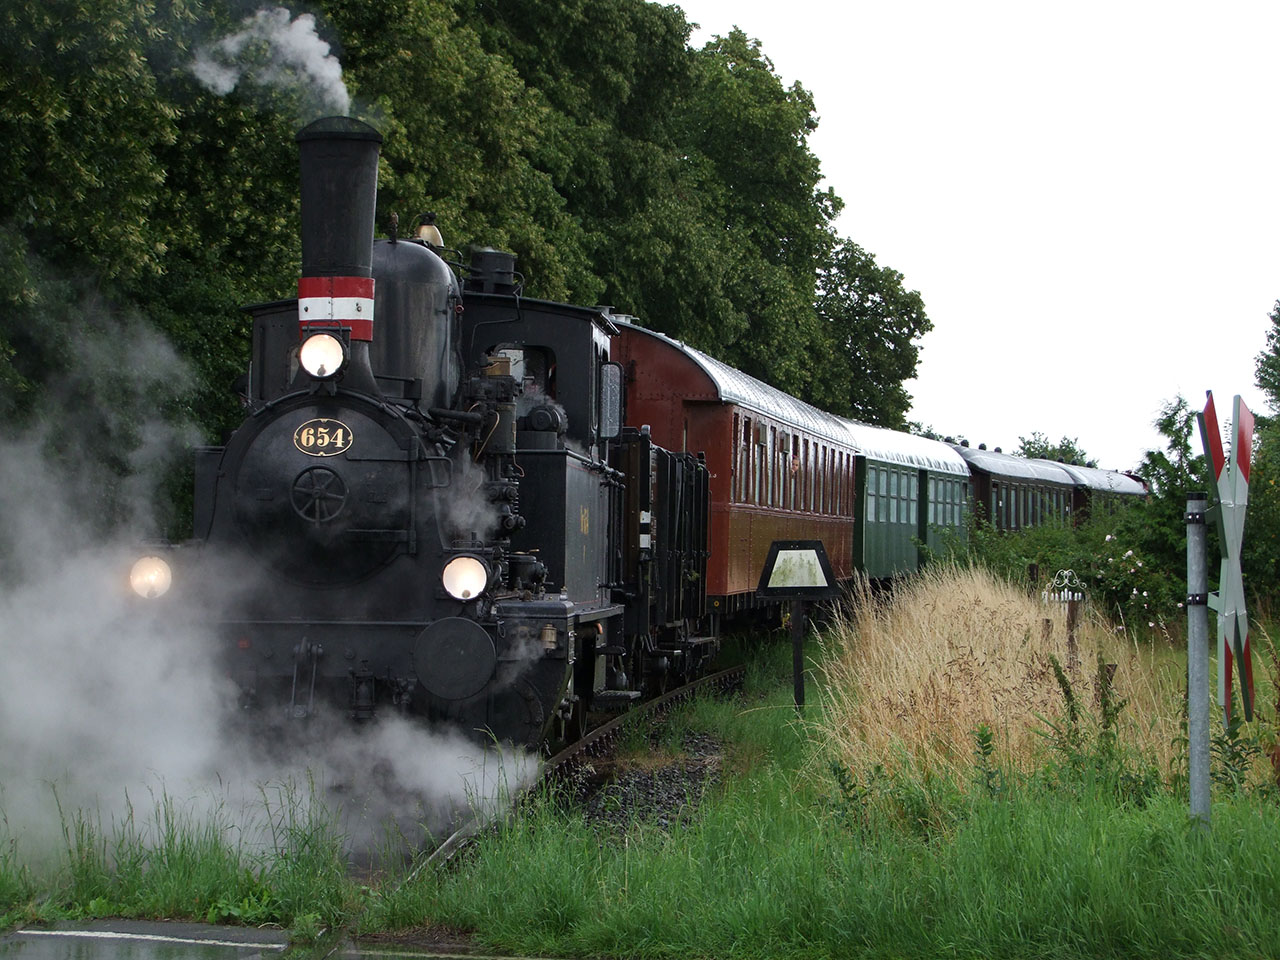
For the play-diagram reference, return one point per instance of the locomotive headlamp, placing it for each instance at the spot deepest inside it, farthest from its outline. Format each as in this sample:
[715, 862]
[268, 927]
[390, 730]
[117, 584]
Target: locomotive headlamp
[323, 355]
[465, 578]
[150, 577]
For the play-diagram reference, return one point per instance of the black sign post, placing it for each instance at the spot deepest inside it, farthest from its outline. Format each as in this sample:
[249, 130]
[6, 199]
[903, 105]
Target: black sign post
[799, 571]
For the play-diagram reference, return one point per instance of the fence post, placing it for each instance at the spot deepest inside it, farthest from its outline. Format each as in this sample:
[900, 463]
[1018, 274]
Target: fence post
[1073, 618]
[1198, 658]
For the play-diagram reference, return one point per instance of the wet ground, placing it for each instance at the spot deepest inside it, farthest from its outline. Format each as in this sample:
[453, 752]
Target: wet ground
[131, 940]
[143, 940]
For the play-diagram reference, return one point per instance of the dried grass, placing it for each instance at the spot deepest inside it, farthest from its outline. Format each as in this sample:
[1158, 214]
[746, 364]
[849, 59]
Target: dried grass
[908, 678]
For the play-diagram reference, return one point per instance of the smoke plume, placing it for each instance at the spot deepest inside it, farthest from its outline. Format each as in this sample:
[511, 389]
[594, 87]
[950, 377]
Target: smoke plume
[277, 51]
[108, 698]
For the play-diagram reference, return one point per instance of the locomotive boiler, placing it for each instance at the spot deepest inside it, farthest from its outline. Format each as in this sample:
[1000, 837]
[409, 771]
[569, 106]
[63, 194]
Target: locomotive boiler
[431, 507]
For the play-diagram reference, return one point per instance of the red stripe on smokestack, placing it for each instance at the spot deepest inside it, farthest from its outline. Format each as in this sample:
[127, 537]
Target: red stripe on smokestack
[347, 301]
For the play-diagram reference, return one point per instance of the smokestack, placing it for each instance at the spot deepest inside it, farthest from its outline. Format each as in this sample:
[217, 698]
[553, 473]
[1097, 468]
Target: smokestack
[339, 167]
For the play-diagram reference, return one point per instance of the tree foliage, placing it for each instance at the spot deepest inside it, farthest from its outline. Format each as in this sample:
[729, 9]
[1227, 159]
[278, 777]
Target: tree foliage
[1039, 446]
[1131, 559]
[619, 164]
[872, 324]
[1267, 364]
[1261, 548]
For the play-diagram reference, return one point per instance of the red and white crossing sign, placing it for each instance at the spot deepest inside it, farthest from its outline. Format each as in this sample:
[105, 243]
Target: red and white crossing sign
[1229, 476]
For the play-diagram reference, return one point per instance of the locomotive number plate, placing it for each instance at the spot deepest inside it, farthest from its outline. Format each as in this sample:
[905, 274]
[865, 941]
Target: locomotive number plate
[323, 437]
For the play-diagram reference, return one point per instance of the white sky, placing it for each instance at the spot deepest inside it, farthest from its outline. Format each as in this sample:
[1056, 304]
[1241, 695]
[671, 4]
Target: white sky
[1086, 195]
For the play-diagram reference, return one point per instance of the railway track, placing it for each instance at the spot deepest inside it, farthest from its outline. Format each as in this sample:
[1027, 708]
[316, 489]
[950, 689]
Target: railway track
[597, 743]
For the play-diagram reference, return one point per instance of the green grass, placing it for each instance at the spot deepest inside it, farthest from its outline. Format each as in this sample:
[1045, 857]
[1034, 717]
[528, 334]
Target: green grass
[181, 861]
[789, 856]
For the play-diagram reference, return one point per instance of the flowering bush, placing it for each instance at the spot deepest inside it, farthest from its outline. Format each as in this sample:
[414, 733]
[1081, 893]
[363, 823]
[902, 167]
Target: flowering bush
[1126, 574]
[1131, 590]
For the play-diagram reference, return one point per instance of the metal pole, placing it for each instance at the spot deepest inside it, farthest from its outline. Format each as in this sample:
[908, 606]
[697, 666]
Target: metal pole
[1198, 658]
[797, 650]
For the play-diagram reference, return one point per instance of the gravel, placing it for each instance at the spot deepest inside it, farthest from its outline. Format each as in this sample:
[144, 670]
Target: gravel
[661, 789]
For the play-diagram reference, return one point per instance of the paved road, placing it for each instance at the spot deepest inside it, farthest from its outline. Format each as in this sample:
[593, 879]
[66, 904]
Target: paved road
[140, 940]
[128, 940]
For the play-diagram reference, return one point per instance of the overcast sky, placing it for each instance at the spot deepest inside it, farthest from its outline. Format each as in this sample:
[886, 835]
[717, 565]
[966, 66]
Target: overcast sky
[1084, 194]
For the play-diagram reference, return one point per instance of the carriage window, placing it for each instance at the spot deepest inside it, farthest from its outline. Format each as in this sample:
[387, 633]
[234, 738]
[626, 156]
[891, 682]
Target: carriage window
[824, 481]
[846, 483]
[837, 481]
[735, 485]
[785, 478]
[758, 466]
[794, 472]
[827, 457]
[833, 481]
[780, 469]
[771, 469]
[871, 494]
[806, 500]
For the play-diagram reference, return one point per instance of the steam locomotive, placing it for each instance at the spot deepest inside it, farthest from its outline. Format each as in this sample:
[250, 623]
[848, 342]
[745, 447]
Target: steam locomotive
[496, 513]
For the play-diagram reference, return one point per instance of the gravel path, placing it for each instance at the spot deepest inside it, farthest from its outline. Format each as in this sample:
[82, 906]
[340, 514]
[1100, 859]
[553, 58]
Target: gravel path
[660, 789]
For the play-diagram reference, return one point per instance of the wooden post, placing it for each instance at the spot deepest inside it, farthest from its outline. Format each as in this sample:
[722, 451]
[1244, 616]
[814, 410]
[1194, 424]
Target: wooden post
[798, 618]
[1073, 618]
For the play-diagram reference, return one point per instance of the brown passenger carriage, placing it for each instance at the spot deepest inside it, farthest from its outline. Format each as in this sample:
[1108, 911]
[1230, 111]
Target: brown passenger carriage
[780, 469]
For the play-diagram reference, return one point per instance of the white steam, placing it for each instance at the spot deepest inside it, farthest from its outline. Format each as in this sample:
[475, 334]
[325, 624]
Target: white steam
[278, 51]
[107, 700]
[465, 507]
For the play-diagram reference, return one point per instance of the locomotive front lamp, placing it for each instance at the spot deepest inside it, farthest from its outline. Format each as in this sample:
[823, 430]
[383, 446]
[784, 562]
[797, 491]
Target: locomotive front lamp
[323, 355]
[465, 578]
[150, 577]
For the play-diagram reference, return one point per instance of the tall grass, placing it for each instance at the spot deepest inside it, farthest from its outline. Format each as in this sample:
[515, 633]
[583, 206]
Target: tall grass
[961, 840]
[779, 862]
[909, 679]
[285, 865]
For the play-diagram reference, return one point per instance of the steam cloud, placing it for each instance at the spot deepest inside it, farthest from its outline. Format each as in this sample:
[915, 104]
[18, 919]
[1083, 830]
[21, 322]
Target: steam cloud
[104, 705]
[280, 52]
